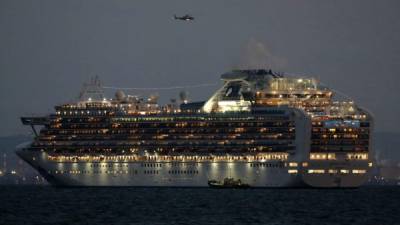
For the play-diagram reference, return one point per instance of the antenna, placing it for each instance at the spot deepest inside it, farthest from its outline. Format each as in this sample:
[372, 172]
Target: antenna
[183, 96]
[92, 90]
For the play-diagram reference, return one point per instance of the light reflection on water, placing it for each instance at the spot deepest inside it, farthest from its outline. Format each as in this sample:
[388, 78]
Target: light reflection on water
[48, 205]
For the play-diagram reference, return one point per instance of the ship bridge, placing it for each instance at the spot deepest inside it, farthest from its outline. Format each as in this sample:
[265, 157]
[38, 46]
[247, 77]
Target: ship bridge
[239, 90]
[35, 121]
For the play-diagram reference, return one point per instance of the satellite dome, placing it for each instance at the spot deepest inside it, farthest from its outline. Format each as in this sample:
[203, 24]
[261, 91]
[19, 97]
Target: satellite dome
[120, 95]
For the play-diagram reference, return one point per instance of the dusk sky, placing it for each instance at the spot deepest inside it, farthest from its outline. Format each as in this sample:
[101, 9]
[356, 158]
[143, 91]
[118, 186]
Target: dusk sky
[49, 48]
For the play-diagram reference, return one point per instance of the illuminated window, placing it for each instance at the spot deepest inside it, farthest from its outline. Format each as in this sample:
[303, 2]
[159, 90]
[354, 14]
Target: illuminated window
[359, 171]
[293, 164]
[344, 171]
[317, 156]
[316, 171]
[322, 156]
[332, 171]
[305, 164]
[357, 156]
[331, 156]
[239, 129]
[292, 171]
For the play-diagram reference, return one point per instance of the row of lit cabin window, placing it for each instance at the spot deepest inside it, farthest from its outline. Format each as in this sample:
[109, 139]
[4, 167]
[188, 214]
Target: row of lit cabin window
[183, 172]
[203, 150]
[139, 127]
[340, 125]
[190, 172]
[167, 130]
[339, 148]
[315, 104]
[152, 140]
[151, 172]
[341, 142]
[339, 130]
[91, 104]
[339, 136]
[270, 156]
[333, 171]
[171, 137]
[79, 126]
[93, 172]
[197, 118]
[151, 165]
[202, 124]
[292, 95]
[332, 156]
[212, 141]
[279, 146]
[271, 165]
[157, 171]
[81, 113]
[222, 117]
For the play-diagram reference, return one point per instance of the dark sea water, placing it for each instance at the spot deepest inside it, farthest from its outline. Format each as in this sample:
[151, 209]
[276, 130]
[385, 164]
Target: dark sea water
[48, 205]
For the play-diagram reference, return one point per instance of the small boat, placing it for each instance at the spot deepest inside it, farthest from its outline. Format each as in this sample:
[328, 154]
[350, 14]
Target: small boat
[227, 183]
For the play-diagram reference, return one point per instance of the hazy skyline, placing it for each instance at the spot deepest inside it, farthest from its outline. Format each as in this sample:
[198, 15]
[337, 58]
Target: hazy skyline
[49, 48]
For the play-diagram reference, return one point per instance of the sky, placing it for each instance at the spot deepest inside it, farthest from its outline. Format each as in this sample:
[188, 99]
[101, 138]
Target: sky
[48, 48]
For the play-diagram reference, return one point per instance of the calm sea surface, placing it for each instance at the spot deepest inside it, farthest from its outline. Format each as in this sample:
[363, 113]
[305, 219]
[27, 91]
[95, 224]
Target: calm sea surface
[47, 205]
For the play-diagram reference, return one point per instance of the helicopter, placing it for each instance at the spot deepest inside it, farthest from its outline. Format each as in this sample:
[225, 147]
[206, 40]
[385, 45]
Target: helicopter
[186, 17]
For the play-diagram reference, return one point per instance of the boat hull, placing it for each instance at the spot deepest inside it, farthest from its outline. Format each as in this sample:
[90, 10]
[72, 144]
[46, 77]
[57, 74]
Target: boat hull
[181, 174]
[151, 173]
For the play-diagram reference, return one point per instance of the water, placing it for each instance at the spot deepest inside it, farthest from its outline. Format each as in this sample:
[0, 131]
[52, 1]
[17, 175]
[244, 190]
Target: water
[48, 205]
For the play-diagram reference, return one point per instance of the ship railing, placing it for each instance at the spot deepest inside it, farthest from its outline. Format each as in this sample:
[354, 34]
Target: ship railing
[136, 158]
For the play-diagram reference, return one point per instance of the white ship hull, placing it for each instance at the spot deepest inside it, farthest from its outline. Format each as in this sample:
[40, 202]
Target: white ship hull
[273, 174]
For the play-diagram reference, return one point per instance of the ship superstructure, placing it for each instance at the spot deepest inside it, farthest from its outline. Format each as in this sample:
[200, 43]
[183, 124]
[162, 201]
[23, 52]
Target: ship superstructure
[260, 127]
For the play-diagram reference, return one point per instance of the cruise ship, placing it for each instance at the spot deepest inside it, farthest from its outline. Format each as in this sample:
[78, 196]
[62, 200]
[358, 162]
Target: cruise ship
[263, 128]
